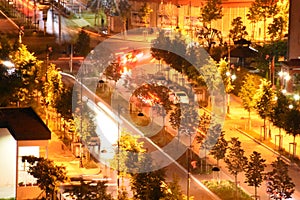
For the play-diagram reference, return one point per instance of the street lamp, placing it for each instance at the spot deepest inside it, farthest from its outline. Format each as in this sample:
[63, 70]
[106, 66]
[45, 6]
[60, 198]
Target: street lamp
[296, 97]
[284, 78]
[161, 13]
[188, 152]
[232, 78]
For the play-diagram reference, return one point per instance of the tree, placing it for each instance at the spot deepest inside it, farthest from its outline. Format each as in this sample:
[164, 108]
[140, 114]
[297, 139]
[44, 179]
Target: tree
[9, 85]
[254, 18]
[235, 160]
[262, 9]
[254, 171]
[278, 113]
[223, 70]
[280, 184]
[177, 62]
[82, 44]
[265, 101]
[238, 30]
[96, 190]
[153, 93]
[5, 47]
[219, 149]
[227, 80]
[277, 28]
[124, 10]
[211, 11]
[292, 124]
[183, 116]
[109, 7]
[48, 175]
[144, 13]
[131, 159]
[84, 120]
[175, 118]
[113, 71]
[266, 53]
[29, 68]
[63, 104]
[130, 154]
[148, 185]
[208, 137]
[174, 190]
[53, 87]
[247, 93]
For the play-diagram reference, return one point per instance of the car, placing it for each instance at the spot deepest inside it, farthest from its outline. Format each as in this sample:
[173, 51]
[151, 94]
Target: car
[182, 97]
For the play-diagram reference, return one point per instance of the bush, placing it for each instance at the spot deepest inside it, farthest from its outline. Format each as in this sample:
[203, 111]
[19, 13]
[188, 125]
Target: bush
[226, 190]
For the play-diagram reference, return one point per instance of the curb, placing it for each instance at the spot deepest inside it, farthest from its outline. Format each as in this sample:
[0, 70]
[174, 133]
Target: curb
[265, 146]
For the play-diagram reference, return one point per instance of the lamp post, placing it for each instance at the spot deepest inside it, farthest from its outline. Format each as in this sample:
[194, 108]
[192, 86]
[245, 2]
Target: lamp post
[232, 77]
[188, 183]
[161, 13]
[118, 151]
[34, 17]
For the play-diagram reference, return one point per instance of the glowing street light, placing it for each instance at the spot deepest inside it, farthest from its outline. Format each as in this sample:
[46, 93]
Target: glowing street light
[233, 77]
[9, 65]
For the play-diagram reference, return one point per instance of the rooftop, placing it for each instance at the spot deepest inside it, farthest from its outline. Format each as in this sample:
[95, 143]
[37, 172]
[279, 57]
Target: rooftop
[24, 124]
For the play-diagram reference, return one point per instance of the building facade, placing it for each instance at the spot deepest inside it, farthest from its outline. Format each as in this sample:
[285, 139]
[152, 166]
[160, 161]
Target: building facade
[184, 14]
[22, 133]
[294, 31]
[290, 69]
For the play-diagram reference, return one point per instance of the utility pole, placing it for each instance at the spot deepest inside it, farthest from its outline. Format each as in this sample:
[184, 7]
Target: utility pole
[188, 184]
[81, 119]
[71, 58]
[118, 161]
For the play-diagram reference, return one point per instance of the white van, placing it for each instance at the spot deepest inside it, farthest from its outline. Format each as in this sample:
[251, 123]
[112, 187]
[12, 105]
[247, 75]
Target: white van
[182, 97]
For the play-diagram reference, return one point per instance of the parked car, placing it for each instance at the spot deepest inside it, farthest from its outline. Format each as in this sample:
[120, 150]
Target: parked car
[181, 97]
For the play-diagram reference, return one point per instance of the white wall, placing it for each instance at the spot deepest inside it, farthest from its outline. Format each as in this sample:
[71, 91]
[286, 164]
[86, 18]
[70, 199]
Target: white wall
[23, 176]
[8, 146]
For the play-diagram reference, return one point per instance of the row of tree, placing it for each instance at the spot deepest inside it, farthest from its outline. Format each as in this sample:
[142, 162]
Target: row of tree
[279, 184]
[270, 105]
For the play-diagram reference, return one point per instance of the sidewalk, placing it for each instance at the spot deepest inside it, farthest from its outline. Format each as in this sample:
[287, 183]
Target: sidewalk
[61, 155]
[240, 117]
[238, 121]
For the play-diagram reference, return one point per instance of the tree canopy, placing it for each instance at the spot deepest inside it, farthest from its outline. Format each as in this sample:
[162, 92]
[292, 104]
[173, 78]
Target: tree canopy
[235, 160]
[264, 101]
[211, 11]
[279, 183]
[254, 171]
[48, 175]
[247, 94]
[238, 30]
